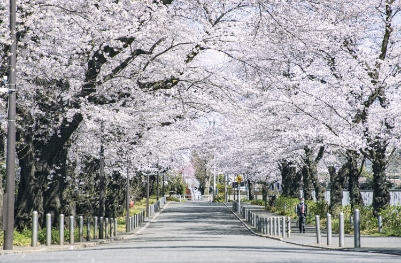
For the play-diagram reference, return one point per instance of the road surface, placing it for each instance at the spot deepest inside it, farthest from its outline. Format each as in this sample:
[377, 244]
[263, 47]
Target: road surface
[199, 232]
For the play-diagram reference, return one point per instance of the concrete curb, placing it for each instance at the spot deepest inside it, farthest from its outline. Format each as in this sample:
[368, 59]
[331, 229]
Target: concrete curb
[82, 245]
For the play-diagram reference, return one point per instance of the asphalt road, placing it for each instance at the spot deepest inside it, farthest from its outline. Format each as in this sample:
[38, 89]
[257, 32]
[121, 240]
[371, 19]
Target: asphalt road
[199, 232]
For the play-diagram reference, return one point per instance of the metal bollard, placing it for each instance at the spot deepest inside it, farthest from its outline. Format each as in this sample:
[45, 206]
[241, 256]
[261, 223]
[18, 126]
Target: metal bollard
[328, 227]
[34, 241]
[107, 227]
[379, 223]
[129, 225]
[278, 226]
[48, 229]
[88, 229]
[81, 229]
[101, 228]
[288, 227]
[357, 234]
[341, 229]
[115, 227]
[71, 230]
[266, 225]
[94, 227]
[275, 225]
[133, 222]
[283, 226]
[111, 227]
[61, 229]
[271, 222]
[317, 218]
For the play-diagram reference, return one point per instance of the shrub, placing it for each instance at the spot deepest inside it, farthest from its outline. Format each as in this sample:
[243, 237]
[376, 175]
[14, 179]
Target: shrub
[258, 202]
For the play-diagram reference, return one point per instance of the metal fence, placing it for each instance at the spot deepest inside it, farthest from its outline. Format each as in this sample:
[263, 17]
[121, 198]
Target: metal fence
[367, 196]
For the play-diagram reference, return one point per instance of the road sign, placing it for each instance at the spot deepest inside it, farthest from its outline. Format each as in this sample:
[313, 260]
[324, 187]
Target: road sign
[239, 179]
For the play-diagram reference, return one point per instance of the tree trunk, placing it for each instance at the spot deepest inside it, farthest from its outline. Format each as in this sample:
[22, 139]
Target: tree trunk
[307, 186]
[381, 194]
[265, 189]
[312, 174]
[290, 182]
[337, 181]
[250, 187]
[40, 188]
[285, 180]
[296, 185]
[353, 181]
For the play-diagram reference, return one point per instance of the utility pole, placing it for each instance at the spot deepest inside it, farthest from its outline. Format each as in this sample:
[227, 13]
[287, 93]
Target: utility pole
[101, 173]
[9, 197]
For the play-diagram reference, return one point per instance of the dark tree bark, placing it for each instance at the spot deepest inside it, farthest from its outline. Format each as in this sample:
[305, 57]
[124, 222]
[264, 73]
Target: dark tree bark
[353, 181]
[285, 182]
[295, 191]
[381, 194]
[39, 189]
[265, 188]
[250, 189]
[115, 195]
[307, 183]
[337, 181]
[309, 171]
[290, 182]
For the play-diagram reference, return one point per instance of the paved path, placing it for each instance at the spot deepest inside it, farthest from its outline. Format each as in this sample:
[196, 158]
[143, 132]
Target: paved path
[199, 232]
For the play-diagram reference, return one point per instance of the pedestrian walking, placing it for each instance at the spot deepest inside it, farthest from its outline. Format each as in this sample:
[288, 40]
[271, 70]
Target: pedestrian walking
[302, 210]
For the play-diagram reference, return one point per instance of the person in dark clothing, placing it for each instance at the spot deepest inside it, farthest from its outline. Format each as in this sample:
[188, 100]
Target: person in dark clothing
[302, 210]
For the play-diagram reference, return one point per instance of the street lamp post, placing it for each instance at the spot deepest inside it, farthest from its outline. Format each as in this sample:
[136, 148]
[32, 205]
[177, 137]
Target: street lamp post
[8, 214]
[163, 185]
[147, 194]
[157, 194]
[127, 227]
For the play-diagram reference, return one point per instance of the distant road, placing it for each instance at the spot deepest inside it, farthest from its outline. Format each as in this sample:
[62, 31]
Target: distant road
[199, 232]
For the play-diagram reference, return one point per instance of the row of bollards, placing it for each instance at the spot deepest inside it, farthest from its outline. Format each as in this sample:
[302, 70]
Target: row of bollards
[281, 226]
[356, 226]
[274, 226]
[102, 227]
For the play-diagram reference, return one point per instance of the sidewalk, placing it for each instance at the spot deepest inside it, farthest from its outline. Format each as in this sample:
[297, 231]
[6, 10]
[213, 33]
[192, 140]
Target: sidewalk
[387, 245]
